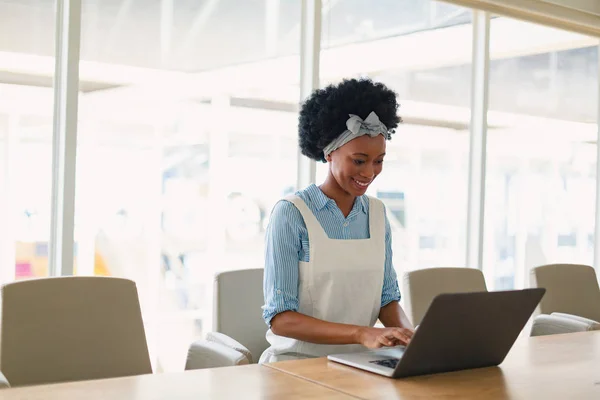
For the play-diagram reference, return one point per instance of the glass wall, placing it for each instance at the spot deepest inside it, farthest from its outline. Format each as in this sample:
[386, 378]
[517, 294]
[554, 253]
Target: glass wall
[187, 136]
[422, 50]
[184, 147]
[26, 106]
[541, 154]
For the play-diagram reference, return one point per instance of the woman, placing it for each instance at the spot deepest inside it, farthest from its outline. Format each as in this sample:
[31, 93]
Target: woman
[328, 272]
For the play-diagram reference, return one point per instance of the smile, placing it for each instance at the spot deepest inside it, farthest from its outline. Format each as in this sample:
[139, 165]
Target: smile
[361, 184]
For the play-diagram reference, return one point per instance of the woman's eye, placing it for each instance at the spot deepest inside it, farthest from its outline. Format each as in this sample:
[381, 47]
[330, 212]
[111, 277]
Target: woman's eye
[358, 162]
[379, 162]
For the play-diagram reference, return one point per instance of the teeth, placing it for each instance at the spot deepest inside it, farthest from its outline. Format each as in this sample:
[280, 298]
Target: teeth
[361, 184]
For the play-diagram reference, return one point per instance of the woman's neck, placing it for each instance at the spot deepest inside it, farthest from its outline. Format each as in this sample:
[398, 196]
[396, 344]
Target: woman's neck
[343, 199]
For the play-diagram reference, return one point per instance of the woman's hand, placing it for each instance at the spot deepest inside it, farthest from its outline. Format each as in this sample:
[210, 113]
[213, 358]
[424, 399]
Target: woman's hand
[374, 338]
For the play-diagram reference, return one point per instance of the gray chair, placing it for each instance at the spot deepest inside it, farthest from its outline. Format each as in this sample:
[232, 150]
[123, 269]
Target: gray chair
[70, 329]
[239, 330]
[557, 323]
[420, 287]
[570, 289]
[572, 299]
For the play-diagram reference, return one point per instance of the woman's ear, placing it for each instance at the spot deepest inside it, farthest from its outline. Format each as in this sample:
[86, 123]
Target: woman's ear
[328, 158]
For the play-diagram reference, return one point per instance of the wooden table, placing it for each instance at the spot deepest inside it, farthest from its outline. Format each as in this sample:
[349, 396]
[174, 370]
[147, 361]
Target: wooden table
[246, 382]
[546, 367]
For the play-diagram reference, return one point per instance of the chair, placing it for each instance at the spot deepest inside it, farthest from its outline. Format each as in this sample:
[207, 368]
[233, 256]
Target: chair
[557, 323]
[572, 300]
[570, 289]
[420, 287]
[71, 328]
[239, 336]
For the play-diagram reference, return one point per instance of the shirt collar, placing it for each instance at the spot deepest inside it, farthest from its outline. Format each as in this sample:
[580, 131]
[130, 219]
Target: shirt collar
[320, 200]
[317, 197]
[362, 200]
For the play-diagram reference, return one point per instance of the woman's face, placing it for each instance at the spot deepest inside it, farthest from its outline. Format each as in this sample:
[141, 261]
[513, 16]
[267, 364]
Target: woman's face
[356, 164]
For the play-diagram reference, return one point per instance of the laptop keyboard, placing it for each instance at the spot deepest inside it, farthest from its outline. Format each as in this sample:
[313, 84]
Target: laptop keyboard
[388, 362]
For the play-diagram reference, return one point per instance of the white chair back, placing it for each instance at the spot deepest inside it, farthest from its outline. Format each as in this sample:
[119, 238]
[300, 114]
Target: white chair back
[420, 287]
[238, 298]
[70, 329]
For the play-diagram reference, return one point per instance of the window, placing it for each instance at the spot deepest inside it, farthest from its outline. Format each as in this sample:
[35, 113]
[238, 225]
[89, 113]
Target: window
[187, 138]
[26, 105]
[422, 50]
[541, 150]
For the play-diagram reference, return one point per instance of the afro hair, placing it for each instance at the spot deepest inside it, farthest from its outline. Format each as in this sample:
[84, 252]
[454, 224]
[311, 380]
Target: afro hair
[324, 114]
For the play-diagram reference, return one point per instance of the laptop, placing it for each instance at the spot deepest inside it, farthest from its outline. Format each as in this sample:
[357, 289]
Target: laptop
[459, 331]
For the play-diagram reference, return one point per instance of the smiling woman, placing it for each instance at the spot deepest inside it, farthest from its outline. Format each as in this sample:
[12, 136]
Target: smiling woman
[326, 299]
[354, 166]
[330, 125]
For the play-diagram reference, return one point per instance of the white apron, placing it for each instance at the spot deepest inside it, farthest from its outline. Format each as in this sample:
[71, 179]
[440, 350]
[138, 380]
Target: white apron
[342, 282]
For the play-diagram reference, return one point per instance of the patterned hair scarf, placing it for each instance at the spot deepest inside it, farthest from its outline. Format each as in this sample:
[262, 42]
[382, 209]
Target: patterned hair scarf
[356, 128]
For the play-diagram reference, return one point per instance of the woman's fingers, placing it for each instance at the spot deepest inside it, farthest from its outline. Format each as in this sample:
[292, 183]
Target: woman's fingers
[391, 337]
[385, 341]
[401, 336]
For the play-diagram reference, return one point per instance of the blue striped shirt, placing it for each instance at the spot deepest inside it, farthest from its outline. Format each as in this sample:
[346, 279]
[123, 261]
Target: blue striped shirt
[287, 244]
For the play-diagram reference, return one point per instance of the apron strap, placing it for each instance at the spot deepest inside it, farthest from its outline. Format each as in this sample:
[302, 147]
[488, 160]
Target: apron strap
[313, 226]
[376, 219]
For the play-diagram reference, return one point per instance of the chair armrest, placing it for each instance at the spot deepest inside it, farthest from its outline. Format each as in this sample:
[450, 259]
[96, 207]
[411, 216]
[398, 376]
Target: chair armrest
[205, 354]
[588, 321]
[3, 381]
[217, 337]
[552, 324]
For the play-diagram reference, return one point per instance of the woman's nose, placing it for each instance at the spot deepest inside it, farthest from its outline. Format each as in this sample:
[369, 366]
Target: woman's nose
[368, 172]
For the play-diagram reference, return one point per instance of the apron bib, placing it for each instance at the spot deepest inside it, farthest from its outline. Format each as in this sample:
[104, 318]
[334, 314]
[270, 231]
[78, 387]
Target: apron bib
[342, 283]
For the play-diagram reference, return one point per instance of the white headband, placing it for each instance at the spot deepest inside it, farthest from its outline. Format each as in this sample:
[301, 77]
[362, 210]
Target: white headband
[357, 127]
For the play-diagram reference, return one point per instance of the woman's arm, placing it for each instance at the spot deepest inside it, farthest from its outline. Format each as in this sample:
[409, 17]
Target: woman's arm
[392, 315]
[282, 248]
[308, 329]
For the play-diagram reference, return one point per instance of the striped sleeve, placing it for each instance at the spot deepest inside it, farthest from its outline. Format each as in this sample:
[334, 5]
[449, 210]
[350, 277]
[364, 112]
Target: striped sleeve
[282, 250]
[390, 291]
